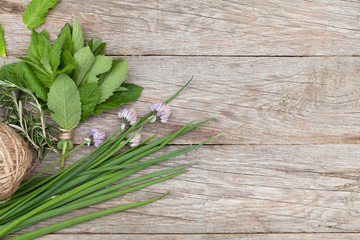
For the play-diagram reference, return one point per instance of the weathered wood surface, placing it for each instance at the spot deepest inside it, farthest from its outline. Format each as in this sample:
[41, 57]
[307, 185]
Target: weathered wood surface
[320, 236]
[289, 166]
[243, 189]
[268, 100]
[167, 27]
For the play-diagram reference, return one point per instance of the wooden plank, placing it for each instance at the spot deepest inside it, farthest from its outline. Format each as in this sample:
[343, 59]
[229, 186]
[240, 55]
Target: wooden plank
[256, 100]
[286, 236]
[271, 27]
[243, 189]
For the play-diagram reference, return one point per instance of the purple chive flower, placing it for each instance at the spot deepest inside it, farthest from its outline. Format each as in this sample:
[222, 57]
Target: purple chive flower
[97, 136]
[136, 140]
[162, 110]
[128, 115]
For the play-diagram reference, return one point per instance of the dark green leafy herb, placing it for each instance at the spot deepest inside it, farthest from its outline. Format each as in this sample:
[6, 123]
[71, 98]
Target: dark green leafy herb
[89, 97]
[35, 12]
[131, 93]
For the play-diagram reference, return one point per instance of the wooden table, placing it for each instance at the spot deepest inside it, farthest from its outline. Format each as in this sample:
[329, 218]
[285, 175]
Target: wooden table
[283, 78]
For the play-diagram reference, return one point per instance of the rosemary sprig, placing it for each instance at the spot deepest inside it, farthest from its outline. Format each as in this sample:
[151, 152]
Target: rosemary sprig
[24, 113]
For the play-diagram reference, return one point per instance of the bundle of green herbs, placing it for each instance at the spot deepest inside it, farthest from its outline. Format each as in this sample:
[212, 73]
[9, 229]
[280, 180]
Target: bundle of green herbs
[96, 177]
[70, 80]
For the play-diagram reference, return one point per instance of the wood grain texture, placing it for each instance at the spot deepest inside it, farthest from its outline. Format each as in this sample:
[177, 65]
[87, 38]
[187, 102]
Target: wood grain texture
[320, 236]
[257, 100]
[242, 189]
[165, 27]
[288, 167]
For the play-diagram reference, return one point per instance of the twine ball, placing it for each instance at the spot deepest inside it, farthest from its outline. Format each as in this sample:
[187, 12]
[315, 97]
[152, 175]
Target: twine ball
[15, 161]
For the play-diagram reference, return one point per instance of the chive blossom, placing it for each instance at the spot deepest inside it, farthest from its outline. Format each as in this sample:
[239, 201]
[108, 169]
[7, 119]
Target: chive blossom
[136, 140]
[97, 136]
[162, 110]
[128, 115]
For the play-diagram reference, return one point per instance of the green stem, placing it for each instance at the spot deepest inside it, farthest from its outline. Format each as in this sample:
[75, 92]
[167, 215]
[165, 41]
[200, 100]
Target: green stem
[64, 151]
[64, 224]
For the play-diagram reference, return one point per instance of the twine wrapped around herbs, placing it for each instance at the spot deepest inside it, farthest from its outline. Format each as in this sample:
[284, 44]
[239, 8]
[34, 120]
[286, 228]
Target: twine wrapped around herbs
[15, 161]
[66, 134]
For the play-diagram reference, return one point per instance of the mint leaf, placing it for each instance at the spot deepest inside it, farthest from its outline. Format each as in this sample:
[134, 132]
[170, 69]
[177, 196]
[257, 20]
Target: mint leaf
[54, 56]
[64, 102]
[21, 74]
[89, 96]
[97, 47]
[66, 38]
[84, 59]
[77, 36]
[40, 46]
[10, 73]
[43, 57]
[113, 79]
[2, 43]
[45, 78]
[119, 98]
[101, 64]
[35, 12]
[67, 63]
[33, 82]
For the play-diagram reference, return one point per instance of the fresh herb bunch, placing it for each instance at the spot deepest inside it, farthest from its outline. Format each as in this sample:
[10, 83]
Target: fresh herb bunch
[75, 80]
[23, 111]
[103, 174]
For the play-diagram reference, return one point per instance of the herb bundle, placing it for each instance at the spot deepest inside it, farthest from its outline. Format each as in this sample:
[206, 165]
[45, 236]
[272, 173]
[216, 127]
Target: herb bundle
[72, 80]
[92, 179]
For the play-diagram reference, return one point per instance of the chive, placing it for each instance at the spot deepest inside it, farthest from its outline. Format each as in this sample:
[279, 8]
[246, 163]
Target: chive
[94, 178]
[103, 196]
[67, 223]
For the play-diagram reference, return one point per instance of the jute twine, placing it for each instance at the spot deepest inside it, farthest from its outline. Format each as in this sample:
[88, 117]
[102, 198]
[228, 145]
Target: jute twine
[15, 161]
[66, 134]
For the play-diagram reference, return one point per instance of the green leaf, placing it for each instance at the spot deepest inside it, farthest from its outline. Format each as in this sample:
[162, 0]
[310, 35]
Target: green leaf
[54, 56]
[121, 88]
[101, 64]
[35, 12]
[43, 58]
[21, 75]
[33, 82]
[89, 96]
[97, 47]
[64, 102]
[112, 79]
[67, 69]
[67, 62]
[11, 73]
[100, 49]
[2, 43]
[65, 36]
[77, 36]
[84, 59]
[120, 98]
[40, 47]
